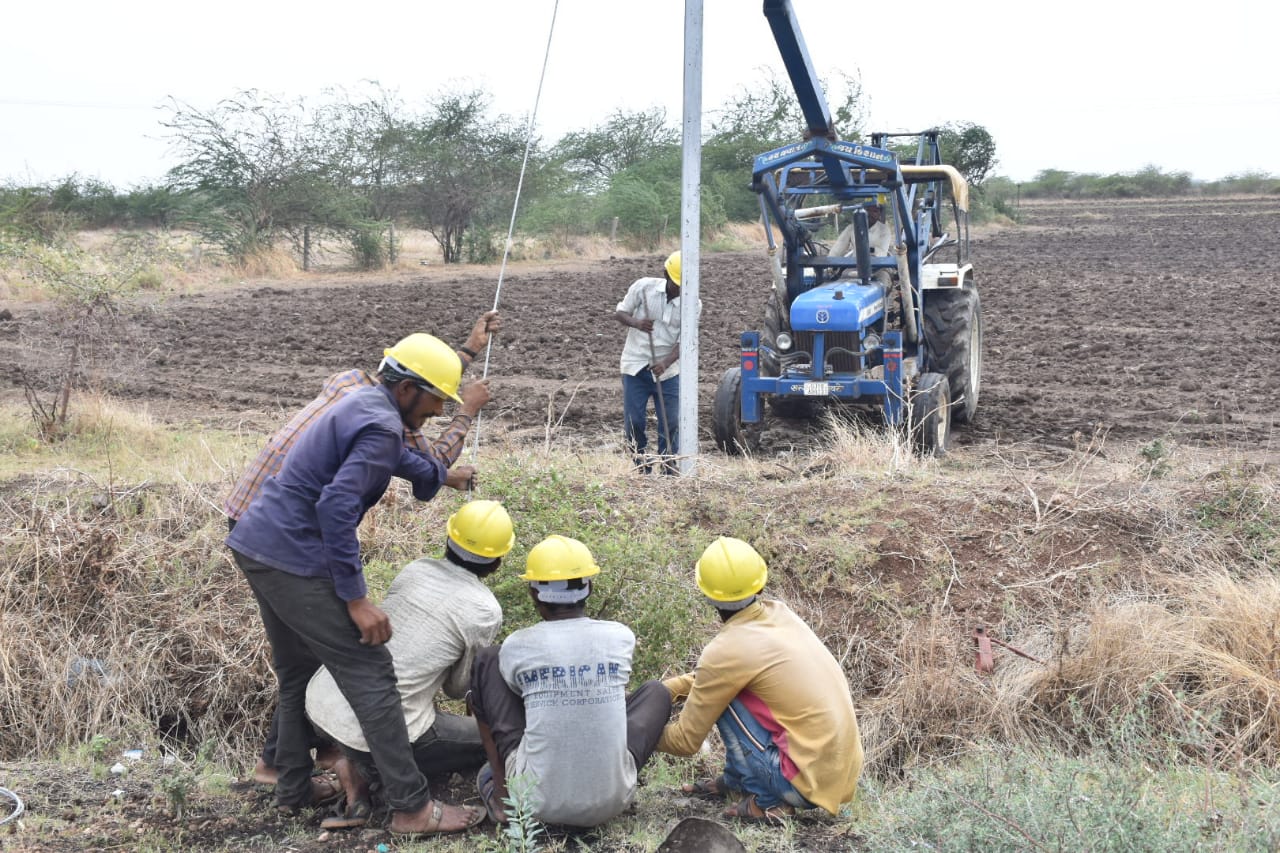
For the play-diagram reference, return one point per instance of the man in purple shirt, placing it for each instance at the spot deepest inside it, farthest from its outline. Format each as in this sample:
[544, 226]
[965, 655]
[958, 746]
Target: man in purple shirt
[297, 546]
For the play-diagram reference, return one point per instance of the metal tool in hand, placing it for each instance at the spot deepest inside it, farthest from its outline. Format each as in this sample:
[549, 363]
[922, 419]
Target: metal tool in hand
[662, 405]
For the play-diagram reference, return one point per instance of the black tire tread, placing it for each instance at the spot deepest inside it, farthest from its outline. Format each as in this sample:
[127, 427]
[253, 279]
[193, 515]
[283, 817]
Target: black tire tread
[947, 318]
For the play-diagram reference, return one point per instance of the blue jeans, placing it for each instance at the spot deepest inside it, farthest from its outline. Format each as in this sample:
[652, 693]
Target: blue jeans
[752, 762]
[636, 392]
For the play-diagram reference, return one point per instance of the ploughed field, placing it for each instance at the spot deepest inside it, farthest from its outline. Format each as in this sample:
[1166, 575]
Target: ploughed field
[1146, 319]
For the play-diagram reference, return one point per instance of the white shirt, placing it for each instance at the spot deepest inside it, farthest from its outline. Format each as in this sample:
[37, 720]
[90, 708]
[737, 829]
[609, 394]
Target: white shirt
[879, 236]
[440, 614]
[572, 675]
[647, 300]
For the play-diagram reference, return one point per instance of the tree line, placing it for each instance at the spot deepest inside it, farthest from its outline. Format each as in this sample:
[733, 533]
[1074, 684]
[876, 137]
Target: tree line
[255, 170]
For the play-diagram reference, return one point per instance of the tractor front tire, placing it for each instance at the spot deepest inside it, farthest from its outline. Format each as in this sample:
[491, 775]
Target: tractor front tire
[953, 333]
[775, 321]
[931, 414]
[726, 413]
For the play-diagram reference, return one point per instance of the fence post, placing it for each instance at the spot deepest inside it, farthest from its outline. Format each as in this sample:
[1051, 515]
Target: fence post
[306, 248]
[613, 231]
[391, 241]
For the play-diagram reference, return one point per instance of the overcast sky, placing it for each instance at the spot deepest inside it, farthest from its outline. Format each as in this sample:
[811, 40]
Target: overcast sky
[1088, 86]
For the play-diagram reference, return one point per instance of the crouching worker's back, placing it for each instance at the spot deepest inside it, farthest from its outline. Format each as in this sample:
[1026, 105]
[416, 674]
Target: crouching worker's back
[552, 703]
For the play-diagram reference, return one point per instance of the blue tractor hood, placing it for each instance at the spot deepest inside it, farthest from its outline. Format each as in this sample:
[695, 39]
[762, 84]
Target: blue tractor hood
[841, 306]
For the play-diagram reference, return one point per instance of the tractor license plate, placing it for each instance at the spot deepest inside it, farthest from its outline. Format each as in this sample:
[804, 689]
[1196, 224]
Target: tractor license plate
[816, 389]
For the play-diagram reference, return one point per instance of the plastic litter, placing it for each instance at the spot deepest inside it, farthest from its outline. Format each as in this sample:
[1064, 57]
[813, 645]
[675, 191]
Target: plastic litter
[87, 669]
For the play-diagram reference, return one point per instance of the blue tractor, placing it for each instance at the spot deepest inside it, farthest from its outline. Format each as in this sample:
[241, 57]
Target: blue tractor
[874, 302]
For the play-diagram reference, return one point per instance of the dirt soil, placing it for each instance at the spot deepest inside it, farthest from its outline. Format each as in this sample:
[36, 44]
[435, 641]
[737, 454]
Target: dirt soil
[1141, 318]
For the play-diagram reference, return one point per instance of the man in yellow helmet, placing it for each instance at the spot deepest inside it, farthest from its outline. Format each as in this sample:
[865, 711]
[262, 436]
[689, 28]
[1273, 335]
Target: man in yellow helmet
[446, 449]
[552, 703]
[775, 692]
[298, 548]
[441, 614]
[650, 355]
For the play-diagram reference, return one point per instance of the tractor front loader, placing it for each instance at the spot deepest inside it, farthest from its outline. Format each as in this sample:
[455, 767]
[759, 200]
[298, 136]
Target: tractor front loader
[886, 314]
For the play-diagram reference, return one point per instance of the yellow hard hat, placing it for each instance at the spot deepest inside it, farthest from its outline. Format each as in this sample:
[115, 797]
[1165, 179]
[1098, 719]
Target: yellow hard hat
[672, 266]
[559, 558]
[429, 362]
[482, 528]
[730, 570]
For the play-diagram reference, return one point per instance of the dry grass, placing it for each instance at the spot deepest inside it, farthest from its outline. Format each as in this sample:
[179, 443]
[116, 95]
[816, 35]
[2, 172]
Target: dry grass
[122, 617]
[1136, 604]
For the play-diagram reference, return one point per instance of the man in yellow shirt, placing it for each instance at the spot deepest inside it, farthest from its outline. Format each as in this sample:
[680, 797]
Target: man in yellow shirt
[774, 691]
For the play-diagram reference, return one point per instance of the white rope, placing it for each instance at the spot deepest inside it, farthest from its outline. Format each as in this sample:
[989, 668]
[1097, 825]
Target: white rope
[18, 807]
[511, 228]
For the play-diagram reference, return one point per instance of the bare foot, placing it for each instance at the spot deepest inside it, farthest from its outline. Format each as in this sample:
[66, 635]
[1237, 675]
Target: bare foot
[435, 817]
[354, 785]
[265, 774]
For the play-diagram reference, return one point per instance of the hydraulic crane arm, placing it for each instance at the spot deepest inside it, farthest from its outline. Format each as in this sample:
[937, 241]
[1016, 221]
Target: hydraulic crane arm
[795, 57]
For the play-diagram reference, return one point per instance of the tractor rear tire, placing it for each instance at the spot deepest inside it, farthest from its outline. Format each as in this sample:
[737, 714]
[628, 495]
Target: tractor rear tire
[726, 414]
[931, 414]
[953, 332]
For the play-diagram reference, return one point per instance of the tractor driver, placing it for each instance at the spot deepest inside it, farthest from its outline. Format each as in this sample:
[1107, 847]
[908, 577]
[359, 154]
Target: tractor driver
[879, 235]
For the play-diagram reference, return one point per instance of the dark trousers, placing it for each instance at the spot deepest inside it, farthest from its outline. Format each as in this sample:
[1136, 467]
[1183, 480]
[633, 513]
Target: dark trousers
[268, 753]
[308, 627]
[315, 739]
[451, 745]
[502, 709]
[637, 391]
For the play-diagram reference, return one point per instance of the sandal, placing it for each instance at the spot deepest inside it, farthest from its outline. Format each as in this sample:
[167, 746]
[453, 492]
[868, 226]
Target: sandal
[486, 786]
[708, 789]
[749, 811]
[473, 817]
[350, 816]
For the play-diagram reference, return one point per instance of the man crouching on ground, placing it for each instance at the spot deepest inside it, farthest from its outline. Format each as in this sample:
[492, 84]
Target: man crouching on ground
[441, 614]
[774, 691]
[552, 703]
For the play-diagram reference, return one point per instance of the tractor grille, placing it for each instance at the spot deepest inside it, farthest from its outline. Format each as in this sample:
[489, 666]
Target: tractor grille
[841, 362]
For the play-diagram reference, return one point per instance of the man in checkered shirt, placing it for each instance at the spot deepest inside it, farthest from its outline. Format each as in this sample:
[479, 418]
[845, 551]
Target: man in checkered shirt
[446, 448]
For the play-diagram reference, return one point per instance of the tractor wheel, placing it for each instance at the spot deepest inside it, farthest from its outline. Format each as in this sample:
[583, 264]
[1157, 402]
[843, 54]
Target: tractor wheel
[931, 414]
[953, 330]
[726, 412]
[776, 319]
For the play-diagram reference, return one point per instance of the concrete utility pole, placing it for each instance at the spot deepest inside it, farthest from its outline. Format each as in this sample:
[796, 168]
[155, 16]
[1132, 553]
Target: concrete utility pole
[690, 234]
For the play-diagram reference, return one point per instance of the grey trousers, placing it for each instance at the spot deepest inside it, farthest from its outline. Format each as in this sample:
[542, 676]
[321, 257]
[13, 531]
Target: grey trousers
[502, 709]
[308, 627]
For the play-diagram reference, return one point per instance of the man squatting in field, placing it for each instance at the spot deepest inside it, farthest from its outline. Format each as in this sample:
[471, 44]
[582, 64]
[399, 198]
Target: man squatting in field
[552, 703]
[441, 615]
[778, 697]
[447, 448]
[298, 547]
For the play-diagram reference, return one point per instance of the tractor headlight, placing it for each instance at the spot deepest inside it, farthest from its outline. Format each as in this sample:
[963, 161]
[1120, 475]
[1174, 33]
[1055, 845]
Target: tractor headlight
[871, 342]
[783, 341]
